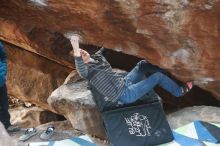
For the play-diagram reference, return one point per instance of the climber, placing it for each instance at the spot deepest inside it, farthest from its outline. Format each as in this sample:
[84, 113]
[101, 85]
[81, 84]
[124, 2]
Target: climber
[4, 114]
[128, 89]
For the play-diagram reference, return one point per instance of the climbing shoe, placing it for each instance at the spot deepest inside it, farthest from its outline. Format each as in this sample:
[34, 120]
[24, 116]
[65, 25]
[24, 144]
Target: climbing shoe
[187, 87]
[48, 133]
[28, 134]
[13, 128]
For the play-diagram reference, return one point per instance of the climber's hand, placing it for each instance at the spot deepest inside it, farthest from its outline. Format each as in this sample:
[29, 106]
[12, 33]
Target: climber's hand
[85, 56]
[75, 44]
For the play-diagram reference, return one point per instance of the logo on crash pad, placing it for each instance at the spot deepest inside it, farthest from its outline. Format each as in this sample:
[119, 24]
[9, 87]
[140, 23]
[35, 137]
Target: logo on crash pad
[138, 125]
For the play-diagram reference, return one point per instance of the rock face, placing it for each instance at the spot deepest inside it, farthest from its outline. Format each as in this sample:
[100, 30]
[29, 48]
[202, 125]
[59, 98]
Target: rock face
[74, 101]
[5, 138]
[63, 129]
[190, 114]
[181, 36]
[32, 78]
[31, 117]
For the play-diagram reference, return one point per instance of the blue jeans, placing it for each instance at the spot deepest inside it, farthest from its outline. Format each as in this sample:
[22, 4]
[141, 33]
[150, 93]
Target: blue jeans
[137, 85]
[4, 114]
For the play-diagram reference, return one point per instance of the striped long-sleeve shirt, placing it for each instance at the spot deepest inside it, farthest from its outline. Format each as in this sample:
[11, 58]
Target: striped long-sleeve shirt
[99, 73]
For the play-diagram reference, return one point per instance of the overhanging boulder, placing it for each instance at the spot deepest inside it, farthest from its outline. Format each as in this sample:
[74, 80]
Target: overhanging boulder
[180, 36]
[74, 101]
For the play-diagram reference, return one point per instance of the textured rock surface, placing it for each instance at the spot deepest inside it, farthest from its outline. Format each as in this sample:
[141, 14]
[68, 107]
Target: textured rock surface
[80, 108]
[63, 130]
[5, 138]
[190, 114]
[179, 35]
[74, 101]
[31, 117]
[31, 77]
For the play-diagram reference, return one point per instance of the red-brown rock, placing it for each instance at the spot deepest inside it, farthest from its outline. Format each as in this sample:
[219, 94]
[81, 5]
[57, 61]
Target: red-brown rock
[181, 36]
[32, 78]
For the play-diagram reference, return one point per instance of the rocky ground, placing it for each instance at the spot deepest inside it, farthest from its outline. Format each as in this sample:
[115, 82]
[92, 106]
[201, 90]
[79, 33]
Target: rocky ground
[181, 37]
[79, 110]
[65, 130]
[27, 115]
[61, 133]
